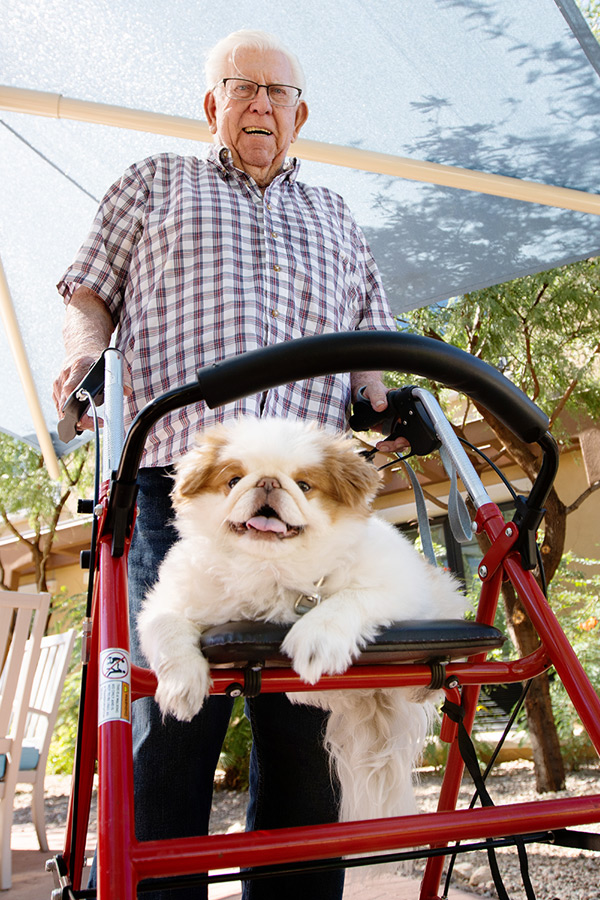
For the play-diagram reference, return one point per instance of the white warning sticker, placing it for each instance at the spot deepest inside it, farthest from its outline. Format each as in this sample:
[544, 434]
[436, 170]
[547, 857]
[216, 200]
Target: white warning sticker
[114, 700]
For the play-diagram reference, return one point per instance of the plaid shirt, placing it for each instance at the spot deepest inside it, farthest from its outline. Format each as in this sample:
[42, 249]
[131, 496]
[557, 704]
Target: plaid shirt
[196, 265]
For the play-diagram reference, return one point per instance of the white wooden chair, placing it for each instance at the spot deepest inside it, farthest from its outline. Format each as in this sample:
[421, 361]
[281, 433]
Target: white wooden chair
[51, 670]
[22, 618]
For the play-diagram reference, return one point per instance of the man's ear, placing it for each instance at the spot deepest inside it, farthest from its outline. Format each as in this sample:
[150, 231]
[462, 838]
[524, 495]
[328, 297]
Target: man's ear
[210, 111]
[301, 117]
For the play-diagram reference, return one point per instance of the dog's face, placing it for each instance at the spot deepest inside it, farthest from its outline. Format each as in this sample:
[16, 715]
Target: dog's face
[268, 485]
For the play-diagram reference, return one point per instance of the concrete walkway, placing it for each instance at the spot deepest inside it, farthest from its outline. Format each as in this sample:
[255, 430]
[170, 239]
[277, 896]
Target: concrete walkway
[32, 882]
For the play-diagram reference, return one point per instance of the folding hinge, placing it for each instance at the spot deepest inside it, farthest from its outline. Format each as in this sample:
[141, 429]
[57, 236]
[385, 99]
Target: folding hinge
[498, 552]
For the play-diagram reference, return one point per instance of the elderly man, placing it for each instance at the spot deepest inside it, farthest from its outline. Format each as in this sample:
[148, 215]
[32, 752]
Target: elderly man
[193, 261]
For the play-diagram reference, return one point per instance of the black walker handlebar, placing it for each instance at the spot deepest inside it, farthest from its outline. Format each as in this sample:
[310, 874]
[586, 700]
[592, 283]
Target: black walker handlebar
[259, 370]
[310, 357]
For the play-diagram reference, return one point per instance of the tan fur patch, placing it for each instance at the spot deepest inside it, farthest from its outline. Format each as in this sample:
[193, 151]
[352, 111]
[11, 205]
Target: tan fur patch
[344, 477]
[202, 468]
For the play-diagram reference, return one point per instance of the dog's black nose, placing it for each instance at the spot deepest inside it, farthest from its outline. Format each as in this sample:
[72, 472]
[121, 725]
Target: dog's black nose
[268, 483]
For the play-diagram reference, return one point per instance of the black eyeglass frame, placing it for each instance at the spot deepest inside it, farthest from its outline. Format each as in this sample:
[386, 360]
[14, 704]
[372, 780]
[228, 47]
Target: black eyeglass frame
[267, 87]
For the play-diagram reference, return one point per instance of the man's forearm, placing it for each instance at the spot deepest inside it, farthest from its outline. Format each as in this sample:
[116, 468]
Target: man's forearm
[88, 325]
[86, 333]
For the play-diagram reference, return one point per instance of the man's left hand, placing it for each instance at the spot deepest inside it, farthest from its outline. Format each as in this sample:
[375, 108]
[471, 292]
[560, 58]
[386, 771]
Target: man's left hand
[376, 392]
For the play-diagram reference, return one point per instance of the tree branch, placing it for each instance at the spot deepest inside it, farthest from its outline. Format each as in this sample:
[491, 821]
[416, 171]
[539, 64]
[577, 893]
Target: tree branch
[583, 497]
[14, 531]
[530, 363]
[540, 294]
[3, 583]
[566, 396]
[435, 500]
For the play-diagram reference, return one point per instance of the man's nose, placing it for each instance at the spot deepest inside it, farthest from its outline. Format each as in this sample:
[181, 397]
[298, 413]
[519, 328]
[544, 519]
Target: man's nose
[261, 102]
[269, 483]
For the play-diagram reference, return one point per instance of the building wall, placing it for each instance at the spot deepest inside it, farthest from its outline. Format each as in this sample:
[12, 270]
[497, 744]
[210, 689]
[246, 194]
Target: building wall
[583, 525]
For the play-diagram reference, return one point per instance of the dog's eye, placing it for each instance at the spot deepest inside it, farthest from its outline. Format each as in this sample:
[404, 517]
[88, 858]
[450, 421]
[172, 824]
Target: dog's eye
[232, 483]
[304, 486]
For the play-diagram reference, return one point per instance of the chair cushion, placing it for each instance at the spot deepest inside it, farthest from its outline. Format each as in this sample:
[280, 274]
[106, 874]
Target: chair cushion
[238, 643]
[29, 759]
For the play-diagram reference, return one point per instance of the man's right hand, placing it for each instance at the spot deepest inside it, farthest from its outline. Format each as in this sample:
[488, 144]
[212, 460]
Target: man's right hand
[87, 330]
[72, 372]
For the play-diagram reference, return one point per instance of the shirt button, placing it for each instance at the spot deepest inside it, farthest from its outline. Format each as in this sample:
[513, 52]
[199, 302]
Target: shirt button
[274, 313]
[277, 268]
[274, 235]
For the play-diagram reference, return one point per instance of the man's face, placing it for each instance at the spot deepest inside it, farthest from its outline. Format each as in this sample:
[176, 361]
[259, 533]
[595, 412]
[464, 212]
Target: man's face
[235, 122]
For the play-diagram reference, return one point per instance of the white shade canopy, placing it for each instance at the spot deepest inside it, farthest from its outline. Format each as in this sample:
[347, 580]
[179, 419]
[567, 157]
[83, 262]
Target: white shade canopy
[504, 88]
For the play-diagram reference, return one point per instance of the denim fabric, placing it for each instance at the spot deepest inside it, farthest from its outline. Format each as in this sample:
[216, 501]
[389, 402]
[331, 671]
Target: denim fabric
[174, 762]
[290, 784]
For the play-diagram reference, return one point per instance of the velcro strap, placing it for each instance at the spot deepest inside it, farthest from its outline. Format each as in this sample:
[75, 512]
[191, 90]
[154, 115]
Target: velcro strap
[458, 514]
[422, 517]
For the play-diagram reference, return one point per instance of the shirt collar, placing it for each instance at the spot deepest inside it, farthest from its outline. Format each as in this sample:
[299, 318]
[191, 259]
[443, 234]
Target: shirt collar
[220, 156]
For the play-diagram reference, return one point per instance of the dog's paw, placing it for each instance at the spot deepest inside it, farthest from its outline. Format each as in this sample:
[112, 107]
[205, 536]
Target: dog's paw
[319, 648]
[183, 686]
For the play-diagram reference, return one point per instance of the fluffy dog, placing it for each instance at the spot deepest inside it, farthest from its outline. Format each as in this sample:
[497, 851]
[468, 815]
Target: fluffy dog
[271, 510]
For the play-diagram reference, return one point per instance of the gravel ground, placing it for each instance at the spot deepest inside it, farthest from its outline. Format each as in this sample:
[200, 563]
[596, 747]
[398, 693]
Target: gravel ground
[557, 873]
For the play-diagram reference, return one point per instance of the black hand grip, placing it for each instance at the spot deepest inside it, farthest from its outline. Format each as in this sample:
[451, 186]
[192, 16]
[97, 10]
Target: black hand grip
[74, 408]
[405, 417]
[365, 417]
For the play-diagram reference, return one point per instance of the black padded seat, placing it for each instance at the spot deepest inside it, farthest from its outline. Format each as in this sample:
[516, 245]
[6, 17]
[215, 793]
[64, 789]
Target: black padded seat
[259, 643]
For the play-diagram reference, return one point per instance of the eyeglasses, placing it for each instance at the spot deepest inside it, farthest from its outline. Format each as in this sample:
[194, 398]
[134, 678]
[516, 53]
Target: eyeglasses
[243, 89]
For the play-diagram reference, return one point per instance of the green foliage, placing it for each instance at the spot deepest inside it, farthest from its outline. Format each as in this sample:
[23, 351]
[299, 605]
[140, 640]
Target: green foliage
[25, 486]
[575, 597]
[68, 612]
[591, 11]
[542, 331]
[26, 490]
[64, 737]
[235, 754]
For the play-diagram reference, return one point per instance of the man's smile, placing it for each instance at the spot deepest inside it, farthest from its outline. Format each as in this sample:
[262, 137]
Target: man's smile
[255, 130]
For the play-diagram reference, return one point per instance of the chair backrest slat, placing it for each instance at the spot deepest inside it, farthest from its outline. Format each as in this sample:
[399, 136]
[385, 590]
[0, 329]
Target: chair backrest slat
[23, 620]
[53, 662]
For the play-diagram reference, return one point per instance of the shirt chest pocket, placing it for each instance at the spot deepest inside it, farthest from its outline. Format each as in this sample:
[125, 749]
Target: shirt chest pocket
[327, 283]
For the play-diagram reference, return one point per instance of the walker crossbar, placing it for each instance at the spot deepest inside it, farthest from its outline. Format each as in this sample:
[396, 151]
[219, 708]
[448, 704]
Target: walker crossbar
[289, 845]
[321, 865]
[280, 680]
[123, 861]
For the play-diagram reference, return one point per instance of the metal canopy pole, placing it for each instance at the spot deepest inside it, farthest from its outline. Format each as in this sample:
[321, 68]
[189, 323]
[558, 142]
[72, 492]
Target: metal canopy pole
[15, 340]
[41, 103]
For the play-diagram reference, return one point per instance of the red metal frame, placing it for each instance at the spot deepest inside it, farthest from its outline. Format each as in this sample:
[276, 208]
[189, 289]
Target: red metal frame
[123, 861]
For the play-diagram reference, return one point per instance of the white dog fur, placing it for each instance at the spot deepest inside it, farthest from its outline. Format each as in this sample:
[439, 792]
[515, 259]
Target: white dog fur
[265, 510]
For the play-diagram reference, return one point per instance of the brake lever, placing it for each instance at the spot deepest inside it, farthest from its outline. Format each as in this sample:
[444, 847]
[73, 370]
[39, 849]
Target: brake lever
[76, 405]
[405, 417]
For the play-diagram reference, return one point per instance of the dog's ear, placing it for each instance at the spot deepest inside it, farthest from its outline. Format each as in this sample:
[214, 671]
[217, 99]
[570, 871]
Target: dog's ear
[199, 468]
[352, 480]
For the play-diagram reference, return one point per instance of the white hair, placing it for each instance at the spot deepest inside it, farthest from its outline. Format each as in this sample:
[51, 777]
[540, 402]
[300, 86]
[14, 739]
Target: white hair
[224, 52]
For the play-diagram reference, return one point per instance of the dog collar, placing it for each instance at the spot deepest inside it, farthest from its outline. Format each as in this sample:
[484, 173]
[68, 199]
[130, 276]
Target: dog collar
[306, 602]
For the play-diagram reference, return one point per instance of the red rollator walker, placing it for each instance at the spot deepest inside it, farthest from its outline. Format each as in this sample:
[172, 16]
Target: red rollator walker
[451, 655]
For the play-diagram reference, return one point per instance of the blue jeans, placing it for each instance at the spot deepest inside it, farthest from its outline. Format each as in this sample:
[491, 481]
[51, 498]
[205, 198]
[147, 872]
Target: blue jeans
[174, 762]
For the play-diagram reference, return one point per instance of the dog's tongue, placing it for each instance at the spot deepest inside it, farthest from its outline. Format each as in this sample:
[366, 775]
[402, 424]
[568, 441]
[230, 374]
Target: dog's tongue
[266, 523]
